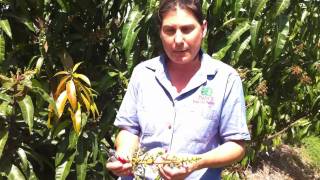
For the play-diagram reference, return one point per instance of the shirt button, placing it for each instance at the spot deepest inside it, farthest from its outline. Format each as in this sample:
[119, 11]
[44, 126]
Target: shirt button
[169, 126]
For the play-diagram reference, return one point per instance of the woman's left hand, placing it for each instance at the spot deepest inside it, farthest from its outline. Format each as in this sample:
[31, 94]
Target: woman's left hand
[175, 173]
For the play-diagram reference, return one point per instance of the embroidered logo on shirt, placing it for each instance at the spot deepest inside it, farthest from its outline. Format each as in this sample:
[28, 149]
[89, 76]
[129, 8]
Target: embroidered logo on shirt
[205, 97]
[206, 91]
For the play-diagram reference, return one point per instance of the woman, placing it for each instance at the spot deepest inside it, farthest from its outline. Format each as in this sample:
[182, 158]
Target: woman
[183, 101]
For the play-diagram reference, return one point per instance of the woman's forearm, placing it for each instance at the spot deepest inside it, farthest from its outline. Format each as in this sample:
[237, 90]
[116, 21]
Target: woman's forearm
[126, 143]
[226, 154]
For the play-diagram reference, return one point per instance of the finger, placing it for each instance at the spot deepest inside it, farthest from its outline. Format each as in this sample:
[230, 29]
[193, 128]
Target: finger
[125, 169]
[124, 173]
[119, 169]
[116, 165]
[163, 174]
[123, 157]
[127, 166]
[175, 173]
[169, 171]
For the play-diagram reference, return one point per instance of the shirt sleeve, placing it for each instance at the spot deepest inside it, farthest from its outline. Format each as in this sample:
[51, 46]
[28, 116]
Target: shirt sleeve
[127, 115]
[233, 125]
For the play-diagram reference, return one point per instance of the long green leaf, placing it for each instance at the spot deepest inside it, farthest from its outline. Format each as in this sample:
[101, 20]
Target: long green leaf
[45, 96]
[63, 4]
[82, 168]
[258, 7]
[205, 6]
[3, 139]
[6, 97]
[263, 111]
[240, 50]
[63, 169]
[259, 126]
[2, 48]
[222, 52]
[32, 174]
[254, 31]
[73, 140]
[29, 25]
[281, 6]
[316, 104]
[59, 156]
[27, 22]
[59, 127]
[130, 32]
[39, 64]
[123, 3]
[250, 99]
[6, 2]
[281, 40]
[95, 146]
[237, 6]
[240, 29]
[15, 173]
[5, 26]
[217, 7]
[27, 110]
[257, 107]
[6, 109]
[46, 2]
[67, 145]
[152, 5]
[249, 114]
[39, 158]
[298, 24]
[26, 166]
[82, 160]
[251, 81]
[24, 161]
[236, 34]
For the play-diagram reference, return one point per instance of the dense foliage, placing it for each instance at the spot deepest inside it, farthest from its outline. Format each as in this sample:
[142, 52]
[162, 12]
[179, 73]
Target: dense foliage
[275, 45]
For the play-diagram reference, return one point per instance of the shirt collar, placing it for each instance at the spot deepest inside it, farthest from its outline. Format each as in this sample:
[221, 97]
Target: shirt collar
[207, 70]
[207, 65]
[157, 64]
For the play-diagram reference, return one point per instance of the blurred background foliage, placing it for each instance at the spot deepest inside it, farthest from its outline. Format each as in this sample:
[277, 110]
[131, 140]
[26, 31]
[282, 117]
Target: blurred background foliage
[274, 45]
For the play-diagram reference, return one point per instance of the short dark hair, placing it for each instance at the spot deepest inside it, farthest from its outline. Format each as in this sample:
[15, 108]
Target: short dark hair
[193, 5]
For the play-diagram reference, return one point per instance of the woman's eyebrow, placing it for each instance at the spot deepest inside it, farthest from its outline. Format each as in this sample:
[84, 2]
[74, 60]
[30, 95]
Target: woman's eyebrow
[174, 25]
[187, 26]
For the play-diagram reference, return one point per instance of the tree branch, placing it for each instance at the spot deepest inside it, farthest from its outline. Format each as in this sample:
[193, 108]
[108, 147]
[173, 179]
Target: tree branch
[283, 130]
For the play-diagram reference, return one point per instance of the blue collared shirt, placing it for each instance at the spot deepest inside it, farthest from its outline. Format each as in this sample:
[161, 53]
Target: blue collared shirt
[209, 111]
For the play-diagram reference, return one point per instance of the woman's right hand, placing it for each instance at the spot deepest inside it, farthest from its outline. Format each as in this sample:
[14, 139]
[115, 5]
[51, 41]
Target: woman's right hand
[118, 162]
[120, 168]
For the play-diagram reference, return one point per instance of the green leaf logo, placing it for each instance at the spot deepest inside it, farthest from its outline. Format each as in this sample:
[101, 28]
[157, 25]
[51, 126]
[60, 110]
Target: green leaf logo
[206, 91]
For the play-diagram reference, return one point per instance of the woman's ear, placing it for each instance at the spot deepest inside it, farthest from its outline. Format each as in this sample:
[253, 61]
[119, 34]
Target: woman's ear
[204, 27]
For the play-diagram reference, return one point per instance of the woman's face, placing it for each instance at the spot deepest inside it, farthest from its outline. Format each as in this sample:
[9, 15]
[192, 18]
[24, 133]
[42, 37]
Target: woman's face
[181, 35]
